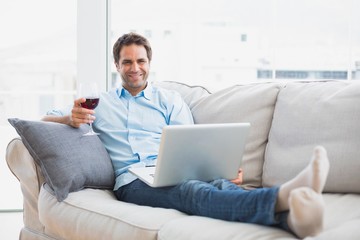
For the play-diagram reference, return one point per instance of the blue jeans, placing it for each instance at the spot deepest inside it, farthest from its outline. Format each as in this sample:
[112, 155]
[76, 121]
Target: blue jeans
[218, 199]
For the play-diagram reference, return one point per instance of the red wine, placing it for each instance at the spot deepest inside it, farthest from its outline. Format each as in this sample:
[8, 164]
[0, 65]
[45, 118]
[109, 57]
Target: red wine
[90, 103]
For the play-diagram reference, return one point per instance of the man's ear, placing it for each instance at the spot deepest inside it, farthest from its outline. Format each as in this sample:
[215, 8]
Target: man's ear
[117, 65]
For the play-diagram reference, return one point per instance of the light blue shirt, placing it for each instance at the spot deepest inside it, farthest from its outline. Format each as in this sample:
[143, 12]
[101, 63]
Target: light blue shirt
[130, 126]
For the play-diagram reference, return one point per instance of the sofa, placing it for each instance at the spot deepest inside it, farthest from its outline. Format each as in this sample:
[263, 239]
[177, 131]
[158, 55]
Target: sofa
[288, 119]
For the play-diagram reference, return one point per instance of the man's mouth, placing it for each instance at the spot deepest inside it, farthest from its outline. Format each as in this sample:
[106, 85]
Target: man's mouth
[135, 75]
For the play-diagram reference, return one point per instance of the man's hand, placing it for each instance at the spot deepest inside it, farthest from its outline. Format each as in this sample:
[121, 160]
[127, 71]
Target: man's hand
[239, 179]
[80, 115]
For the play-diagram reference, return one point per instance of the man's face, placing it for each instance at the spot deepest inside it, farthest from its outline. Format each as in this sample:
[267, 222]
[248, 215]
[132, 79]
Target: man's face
[133, 67]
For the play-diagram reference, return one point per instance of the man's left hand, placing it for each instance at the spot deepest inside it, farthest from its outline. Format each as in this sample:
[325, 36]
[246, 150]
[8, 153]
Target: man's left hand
[239, 179]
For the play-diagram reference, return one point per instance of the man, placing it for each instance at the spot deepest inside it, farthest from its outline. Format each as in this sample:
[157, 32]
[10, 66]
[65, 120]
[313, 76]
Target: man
[130, 121]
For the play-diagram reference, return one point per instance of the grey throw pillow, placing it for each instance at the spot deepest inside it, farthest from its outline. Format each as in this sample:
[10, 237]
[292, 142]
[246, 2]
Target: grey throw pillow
[69, 161]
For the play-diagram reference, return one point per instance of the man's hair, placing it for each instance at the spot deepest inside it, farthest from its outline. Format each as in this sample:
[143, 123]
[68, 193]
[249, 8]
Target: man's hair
[129, 39]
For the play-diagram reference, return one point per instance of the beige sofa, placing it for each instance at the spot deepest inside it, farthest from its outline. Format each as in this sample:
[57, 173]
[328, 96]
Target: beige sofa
[288, 120]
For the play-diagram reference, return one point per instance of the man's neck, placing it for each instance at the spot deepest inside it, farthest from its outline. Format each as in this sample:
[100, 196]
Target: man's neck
[136, 91]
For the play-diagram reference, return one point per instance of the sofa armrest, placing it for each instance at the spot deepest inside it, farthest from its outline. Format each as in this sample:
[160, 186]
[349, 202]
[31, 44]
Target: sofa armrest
[22, 165]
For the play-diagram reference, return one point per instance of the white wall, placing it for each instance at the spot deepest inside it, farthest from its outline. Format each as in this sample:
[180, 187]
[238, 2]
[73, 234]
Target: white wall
[92, 42]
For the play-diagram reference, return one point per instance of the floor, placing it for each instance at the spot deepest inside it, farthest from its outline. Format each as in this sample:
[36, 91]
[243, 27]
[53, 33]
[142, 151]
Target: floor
[10, 225]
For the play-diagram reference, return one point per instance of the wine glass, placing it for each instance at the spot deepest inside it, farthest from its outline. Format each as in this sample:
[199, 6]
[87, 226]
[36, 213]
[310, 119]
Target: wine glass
[90, 92]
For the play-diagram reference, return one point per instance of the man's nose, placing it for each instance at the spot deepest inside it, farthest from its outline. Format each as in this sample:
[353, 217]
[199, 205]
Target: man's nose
[135, 67]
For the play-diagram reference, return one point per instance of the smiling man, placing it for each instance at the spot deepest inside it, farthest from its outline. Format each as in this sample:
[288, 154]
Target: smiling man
[130, 120]
[133, 63]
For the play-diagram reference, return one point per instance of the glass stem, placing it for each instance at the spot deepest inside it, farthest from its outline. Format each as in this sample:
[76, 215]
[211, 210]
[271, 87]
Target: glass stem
[91, 128]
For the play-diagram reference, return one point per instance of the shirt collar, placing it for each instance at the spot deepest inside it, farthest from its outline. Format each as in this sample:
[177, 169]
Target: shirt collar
[146, 93]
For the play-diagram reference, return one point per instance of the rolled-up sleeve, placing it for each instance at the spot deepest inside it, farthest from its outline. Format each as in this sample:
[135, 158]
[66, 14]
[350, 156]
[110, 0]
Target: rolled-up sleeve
[60, 112]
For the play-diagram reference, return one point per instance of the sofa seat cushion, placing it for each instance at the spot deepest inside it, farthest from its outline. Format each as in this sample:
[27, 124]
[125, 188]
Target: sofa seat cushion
[342, 218]
[97, 214]
[202, 228]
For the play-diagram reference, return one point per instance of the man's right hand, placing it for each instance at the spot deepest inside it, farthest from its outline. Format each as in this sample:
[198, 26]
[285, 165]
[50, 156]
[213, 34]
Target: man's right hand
[80, 115]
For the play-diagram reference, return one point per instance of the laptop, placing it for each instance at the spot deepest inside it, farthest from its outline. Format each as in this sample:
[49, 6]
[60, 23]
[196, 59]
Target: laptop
[196, 152]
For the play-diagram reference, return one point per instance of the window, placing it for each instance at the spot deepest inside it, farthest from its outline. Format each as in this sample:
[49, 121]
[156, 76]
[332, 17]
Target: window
[37, 70]
[221, 43]
[203, 42]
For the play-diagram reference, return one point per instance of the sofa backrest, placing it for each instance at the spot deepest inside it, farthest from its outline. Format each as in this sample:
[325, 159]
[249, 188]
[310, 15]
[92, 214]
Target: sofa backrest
[252, 103]
[310, 114]
[190, 94]
[288, 119]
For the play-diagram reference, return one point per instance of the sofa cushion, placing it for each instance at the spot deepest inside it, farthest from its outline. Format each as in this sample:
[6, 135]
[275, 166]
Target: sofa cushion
[252, 103]
[69, 161]
[97, 214]
[202, 228]
[190, 94]
[342, 218]
[310, 114]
